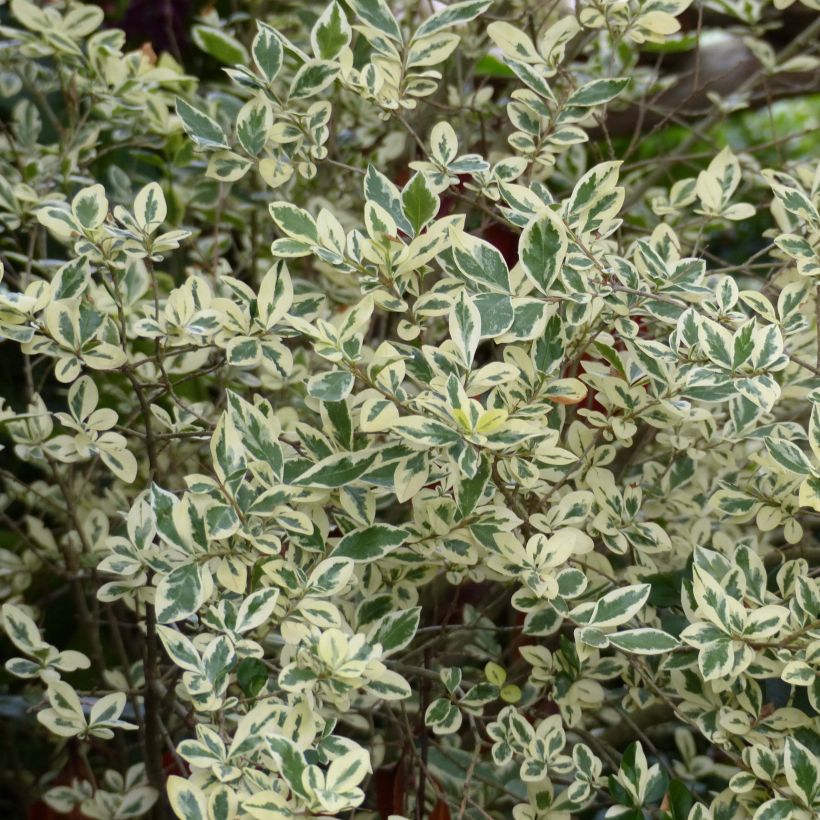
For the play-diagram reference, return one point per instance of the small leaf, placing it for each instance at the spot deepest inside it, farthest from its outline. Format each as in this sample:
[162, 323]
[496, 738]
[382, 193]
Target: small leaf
[419, 203]
[219, 44]
[370, 543]
[331, 33]
[202, 129]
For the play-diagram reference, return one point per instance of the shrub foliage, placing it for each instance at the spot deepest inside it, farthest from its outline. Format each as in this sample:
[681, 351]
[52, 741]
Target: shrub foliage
[385, 437]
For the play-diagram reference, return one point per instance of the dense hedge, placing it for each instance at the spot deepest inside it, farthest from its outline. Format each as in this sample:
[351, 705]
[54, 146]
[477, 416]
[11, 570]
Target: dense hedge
[417, 415]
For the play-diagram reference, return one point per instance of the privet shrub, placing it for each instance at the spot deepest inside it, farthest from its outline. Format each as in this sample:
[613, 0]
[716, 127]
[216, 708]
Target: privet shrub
[385, 437]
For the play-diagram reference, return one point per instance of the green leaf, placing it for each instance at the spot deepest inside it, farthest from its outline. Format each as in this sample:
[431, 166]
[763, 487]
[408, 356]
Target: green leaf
[256, 609]
[788, 455]
[542, 248]
[90, 207]
[251, 675]
[680, 800]
[179, 648]
[252, 125]
[716, 659]
[618, 606]
[336, 470]
[370, 543]
[219, 44]
[465, 327]
[331, 33]
[802, 770]
[295, 222]
[187, 799]
[267, 51]
[255, 432]
[312, 78]
[180, 594]
[150, 208]
[470, 490]
[452, 15]
[443, 717]
[644, 641]
[334, 385]
[377, 13]
[419, 203]
[481, 263]
[778, 808]
[203, 130]
[395, 630]
[293, 763]
[597, 92]
[379, 189]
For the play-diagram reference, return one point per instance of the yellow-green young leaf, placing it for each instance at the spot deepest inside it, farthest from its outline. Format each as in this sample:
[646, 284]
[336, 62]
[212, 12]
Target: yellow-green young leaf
[542, 249]
[202, 129]
[219, 44]
[187, 800]
[90, 207]
[709, 192]
[331, 33]
[370, 543]
[495, 674]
